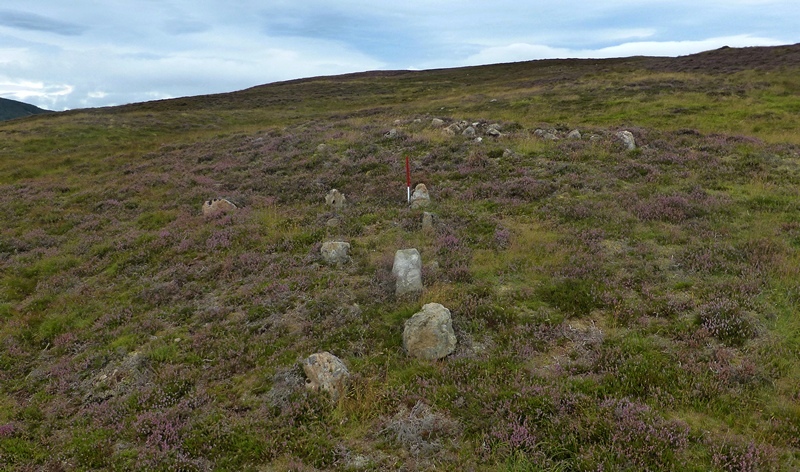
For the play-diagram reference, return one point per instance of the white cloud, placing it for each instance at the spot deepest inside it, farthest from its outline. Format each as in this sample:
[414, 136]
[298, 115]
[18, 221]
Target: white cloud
[80, 54]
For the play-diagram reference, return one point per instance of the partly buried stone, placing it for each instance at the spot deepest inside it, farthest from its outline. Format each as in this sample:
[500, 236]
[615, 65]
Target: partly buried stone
[437, 122]
[391, 134]
[469, 132]
[427, 221]
[627, 139]
[574, 134]
[335, 199]
[407, 271]
[420, 198]
[429, 333]
[217, 205]
[335, 252]
[326, 372]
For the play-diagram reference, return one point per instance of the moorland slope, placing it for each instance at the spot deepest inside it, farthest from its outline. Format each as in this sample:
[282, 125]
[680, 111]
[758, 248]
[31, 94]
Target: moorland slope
[614, 308]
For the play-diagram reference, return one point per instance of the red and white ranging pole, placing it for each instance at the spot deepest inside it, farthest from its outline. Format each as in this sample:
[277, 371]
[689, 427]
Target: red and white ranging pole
[408, 180]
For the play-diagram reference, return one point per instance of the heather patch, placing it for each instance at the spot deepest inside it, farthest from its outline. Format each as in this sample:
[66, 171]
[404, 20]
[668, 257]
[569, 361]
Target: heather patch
[613, 309]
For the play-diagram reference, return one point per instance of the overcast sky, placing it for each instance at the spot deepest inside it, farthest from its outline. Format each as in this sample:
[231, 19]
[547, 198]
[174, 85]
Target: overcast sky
[60, 54]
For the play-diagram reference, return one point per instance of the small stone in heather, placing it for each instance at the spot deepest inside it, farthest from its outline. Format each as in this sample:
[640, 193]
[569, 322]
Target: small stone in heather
[335, 252]
[494, 132]
[217, 205]
[574, 134]
[437, 123]
[326, 372]
[335, 198]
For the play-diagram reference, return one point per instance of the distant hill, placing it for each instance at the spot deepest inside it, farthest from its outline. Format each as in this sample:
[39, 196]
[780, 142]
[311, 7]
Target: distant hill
[10, 109]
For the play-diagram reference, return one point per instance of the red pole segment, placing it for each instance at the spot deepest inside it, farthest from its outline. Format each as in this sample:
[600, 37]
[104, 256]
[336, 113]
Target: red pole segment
[408, 179]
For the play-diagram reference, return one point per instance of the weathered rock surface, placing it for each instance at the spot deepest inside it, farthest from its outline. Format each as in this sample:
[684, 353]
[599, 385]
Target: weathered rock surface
[627, 139]
[469, 132]
[574, 134]
[335, 199]
[453, 129]
[494, 132]
[407, 271]
[392, 133]
[437, 123]
[217, 205]
[429, 333]
[420, 198]
[335, 252]
[326, 372]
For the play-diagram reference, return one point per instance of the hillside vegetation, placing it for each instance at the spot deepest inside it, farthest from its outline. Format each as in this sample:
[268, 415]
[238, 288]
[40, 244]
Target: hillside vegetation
[10, 109]
[614, 309]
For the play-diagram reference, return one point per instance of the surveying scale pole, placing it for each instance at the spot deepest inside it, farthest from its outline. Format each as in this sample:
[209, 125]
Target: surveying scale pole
[408, 180]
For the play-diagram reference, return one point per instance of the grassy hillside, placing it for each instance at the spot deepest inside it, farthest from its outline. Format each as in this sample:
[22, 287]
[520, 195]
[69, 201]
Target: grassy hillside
[614, 309]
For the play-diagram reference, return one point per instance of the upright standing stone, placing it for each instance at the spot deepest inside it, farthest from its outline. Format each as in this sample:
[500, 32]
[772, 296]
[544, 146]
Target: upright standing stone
[324, 371]
[420, 198]
[627, 140]
[407, 271]
[429, 333]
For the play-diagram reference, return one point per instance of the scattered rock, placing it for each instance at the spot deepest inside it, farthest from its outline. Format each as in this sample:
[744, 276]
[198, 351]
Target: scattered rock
[594, 138]
[326, 372]
[495, 126]
[335, 198]
[407, 271]
[335, 252]
[508, 153]
[333, 223]
[452, 129]
[574, 134]
[392, 133]
[468, 132]
[321, 147]
[429, 333]
[494, 132]
[217, 205]
[437, 123]
[420, 198]
[627, 140]
[539, 132]
[117, 378]
[550, 137]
